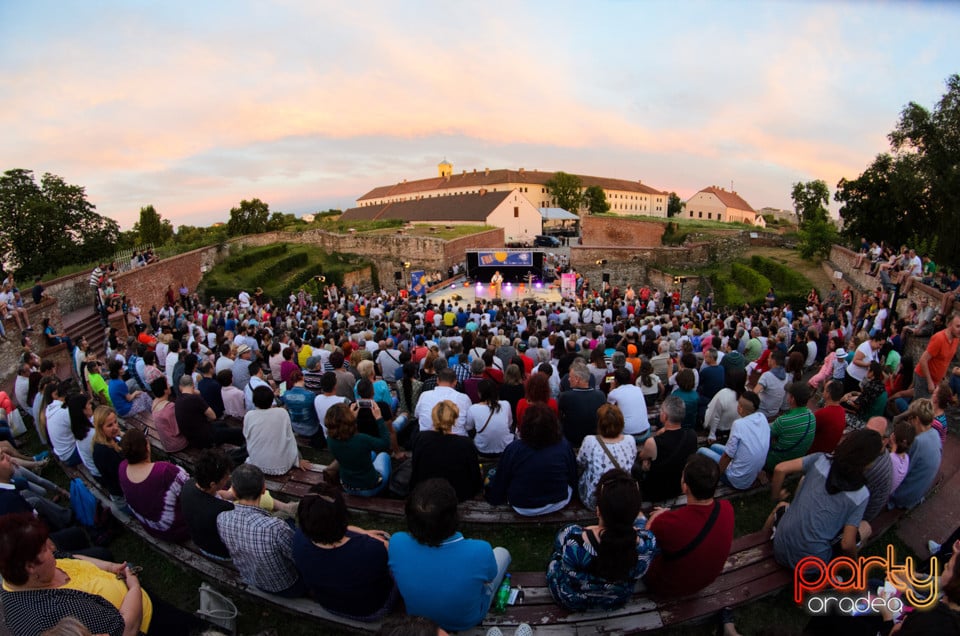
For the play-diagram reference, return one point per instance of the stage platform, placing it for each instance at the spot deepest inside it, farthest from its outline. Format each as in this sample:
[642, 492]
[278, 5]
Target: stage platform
[510, 293]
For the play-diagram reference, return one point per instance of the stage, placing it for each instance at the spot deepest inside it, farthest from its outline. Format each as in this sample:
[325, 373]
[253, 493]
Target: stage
[511, 292]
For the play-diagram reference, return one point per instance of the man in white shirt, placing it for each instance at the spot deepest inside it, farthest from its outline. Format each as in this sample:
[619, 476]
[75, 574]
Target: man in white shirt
[446, 381]
[742, 459]
[327, 398]
[631, 402]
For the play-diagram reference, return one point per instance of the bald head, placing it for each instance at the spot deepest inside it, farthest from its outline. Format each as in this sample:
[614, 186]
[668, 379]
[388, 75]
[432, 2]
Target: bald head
[879, 424]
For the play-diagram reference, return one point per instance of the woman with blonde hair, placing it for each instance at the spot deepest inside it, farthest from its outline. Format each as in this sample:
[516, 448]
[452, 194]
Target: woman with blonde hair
[106, 450]
[441, 453]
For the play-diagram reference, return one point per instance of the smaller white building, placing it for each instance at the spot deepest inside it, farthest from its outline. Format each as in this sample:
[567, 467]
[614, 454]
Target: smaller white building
[512, 211]
[717, 204]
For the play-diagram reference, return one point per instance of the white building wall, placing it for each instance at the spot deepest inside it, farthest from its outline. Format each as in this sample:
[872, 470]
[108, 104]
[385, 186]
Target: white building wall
[520, 220]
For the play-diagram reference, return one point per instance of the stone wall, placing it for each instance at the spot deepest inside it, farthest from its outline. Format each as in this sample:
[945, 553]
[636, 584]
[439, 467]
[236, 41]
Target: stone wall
[843, 259]
[627, 265]
[10, 348]
[661, 280]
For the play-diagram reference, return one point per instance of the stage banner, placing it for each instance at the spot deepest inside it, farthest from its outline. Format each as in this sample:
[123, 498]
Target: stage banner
[504, 259]
[568, 285]
[418, 284]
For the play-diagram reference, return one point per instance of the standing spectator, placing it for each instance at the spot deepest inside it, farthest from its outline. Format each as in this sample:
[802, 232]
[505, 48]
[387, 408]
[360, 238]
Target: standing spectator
[933, 364]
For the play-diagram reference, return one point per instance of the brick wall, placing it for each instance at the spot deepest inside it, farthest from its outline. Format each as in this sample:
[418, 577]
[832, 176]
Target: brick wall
[607, 231]
[453, 251]
[843, 260]
[628, 265]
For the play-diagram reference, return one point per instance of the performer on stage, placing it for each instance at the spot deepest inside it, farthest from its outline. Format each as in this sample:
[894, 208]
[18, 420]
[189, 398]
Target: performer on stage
[496, 282]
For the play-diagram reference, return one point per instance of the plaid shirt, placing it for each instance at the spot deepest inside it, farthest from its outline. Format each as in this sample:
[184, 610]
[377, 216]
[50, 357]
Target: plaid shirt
[261, 547]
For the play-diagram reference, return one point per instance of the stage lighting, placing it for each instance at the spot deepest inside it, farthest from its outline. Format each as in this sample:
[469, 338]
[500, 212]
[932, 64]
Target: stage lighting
[508, 284]
[539, 285]
[454, 286]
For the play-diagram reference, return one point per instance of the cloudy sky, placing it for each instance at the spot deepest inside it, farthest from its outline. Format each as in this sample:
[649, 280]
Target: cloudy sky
[194, 106]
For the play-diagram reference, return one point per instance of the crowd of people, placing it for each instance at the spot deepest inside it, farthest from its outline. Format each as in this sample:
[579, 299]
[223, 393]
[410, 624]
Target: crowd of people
[614, 399]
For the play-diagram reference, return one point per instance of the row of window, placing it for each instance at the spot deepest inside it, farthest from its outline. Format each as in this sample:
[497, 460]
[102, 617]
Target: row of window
[709, 215]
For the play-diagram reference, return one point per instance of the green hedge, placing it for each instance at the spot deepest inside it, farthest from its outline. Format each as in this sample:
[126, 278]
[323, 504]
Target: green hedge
[782, 277]
[281, 269]
[250, 257]
[725, 291]
[753, 281]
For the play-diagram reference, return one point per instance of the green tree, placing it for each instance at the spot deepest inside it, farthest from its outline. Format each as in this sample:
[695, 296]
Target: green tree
[596, 200]
[817, 236]
[49, 224]
[152, 229]
[810, 200]
[888, 201]
[567, 191]
[675, 205]
[934, 137]
[250, 217]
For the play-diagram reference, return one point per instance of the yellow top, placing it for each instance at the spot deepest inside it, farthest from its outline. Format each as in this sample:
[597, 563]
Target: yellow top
[86, 577]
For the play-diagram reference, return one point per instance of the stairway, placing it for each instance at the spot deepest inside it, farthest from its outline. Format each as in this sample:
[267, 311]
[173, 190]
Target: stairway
[85, 322]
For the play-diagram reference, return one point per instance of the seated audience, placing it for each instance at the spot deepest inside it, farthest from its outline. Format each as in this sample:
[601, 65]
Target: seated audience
[440, 453]
[596, 567]
[828, 507]
[324, 543]
[360, 474]
[203, 499]
[152, 489]
[831, 419]
[664, 455]
[440, 574]
[723, 408]
[106, 451]
[745, 452]
[260, 545]
[491, 420]
[606, 450]
[693, 541]
[537, 473]
[578, 405]
[271, 444]
[792, 433]
[165, 418]
[925, 454]
[40, 589]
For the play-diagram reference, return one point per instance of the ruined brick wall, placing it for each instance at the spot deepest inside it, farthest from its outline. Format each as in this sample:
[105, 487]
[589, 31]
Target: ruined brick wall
[608, 231]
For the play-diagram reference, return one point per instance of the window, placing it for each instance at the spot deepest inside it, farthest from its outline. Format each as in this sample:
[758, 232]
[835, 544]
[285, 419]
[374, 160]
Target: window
[516, 212]
[709, 215]
[700, 215]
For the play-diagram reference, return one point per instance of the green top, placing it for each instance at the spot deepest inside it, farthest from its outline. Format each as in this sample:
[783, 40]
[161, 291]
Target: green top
[98, 387]
[356, 464]
[794, 432]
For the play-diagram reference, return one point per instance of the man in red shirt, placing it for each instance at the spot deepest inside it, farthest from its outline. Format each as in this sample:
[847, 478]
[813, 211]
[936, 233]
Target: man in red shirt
[933, 364]
[831, 419]
[694, 540]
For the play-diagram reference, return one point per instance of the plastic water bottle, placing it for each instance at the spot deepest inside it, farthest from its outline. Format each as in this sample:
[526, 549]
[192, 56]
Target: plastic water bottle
[503, 595]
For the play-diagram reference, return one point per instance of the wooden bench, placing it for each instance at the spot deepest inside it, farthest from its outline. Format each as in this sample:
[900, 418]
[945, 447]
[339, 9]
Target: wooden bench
[750, 573]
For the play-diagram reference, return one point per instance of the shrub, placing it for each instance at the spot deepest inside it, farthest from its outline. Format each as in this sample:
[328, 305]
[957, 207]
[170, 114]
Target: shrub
[783, 278]
[754, 282]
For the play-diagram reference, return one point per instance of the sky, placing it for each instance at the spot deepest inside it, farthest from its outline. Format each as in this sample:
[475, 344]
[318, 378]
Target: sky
[194, 106]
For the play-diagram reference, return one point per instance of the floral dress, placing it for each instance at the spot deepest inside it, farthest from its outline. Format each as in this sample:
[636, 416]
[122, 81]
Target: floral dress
[593, 462]
[572, 585]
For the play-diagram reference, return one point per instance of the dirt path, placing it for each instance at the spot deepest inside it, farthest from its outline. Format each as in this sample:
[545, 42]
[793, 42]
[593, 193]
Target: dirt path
[791, 258]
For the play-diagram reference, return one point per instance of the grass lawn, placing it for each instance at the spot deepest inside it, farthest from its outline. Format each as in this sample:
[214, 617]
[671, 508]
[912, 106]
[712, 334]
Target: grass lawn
[445, 232]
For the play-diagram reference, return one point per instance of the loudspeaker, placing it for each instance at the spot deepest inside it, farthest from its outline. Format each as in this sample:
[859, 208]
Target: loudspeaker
[397, 275]
[606, 277]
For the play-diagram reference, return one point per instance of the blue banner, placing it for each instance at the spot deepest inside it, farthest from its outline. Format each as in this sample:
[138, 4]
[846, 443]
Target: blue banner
[418, 284]
[505, 259]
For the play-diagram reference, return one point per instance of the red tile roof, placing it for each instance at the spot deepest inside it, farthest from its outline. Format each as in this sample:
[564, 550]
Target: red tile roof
[729, 199]
[488, 179]
[459, 207]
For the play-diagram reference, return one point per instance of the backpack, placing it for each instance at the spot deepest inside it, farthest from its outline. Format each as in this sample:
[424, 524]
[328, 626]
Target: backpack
[83, 503]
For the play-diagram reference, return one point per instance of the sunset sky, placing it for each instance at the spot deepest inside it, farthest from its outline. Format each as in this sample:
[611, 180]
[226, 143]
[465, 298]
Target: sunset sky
[194, 106]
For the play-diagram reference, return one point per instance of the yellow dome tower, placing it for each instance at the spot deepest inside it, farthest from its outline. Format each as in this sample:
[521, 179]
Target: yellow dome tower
[445, 168]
